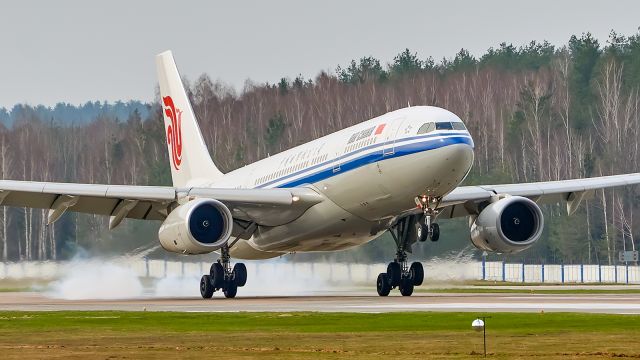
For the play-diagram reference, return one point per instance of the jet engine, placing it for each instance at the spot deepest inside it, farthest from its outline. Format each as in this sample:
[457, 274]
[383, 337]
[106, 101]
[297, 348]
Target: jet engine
[508, 225]
[197, 227]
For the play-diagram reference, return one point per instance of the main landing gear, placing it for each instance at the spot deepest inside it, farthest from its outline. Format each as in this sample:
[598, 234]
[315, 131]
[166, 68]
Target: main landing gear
[407, 231]
[223, 277]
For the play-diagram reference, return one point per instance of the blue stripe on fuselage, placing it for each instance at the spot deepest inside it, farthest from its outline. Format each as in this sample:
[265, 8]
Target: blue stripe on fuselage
[381, 153]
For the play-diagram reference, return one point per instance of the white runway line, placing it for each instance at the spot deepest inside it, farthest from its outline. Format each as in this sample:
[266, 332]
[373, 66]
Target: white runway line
[506, 306]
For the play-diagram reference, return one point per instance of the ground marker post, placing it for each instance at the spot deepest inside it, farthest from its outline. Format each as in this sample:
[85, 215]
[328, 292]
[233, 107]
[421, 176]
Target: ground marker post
[523, 271]
[479, 324]
[484, 265]
[626, 266]
[626, 257]
[582, 273]
[542, 271]
[599, 273]
[562, 273]
[504, 276]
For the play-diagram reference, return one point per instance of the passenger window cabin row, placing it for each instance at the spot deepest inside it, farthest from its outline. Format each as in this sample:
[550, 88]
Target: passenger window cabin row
[359, 144]
[290, 169]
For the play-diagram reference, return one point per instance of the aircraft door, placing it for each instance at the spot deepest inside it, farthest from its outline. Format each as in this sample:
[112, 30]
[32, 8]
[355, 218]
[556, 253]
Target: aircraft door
[340, 149]
[391, 134]
[337, 162]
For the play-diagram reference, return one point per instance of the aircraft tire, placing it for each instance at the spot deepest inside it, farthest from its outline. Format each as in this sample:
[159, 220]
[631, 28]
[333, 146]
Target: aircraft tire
[217, 275]
[422, 231]
[230, 290]
[240, 274]
[382, 284]
[406, 287]
[394, 272]
[417, 273]
[206, 288]
[435, 232]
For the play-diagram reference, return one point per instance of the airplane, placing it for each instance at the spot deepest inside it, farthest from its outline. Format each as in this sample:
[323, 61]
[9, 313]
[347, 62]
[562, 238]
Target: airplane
[399, 173]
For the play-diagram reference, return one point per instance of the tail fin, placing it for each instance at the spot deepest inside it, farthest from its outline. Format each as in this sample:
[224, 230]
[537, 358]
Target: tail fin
[191, 163]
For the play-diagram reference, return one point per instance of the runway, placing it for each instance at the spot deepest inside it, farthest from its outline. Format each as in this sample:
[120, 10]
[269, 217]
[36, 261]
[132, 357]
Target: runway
[342, 302]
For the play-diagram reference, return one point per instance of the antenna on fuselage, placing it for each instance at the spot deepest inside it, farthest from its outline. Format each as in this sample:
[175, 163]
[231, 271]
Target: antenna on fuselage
[408, 104]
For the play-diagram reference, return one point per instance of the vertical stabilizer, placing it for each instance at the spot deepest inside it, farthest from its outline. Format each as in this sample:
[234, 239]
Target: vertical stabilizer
[189, 158]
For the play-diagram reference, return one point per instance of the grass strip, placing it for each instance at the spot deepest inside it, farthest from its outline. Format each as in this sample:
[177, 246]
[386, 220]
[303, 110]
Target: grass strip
[142, 335]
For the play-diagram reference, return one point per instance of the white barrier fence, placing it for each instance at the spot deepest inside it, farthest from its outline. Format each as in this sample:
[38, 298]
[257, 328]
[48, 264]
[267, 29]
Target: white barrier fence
[547, 273]
[353, 273]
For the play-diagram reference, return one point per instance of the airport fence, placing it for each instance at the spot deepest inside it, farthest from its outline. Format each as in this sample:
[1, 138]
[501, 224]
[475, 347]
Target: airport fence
[560, 273]
[350, 273]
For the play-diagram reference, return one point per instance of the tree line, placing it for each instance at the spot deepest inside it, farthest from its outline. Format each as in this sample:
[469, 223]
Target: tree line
[67, 114]
[536, 112]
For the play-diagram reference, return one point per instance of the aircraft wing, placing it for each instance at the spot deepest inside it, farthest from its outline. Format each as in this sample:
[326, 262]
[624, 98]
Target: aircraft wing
[463, 200]
[269, 207]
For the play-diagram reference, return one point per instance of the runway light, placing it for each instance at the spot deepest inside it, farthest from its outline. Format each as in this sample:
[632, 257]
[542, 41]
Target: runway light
[477, 324]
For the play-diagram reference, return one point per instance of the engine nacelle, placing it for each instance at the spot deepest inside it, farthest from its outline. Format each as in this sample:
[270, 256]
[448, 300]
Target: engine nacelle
[197, 227]
[509, 225]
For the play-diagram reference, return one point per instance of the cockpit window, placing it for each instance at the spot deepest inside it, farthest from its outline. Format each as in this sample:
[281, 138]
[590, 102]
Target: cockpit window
[458, 126]
[427, 127]
[444, 126]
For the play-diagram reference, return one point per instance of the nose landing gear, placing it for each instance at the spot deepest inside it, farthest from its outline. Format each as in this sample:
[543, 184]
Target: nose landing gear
[428, 229]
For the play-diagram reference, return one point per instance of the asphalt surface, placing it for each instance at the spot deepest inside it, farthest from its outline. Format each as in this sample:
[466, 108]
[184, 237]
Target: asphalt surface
[342, 302]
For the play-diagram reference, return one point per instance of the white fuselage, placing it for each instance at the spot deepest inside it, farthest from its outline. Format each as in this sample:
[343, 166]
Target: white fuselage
[370, 173]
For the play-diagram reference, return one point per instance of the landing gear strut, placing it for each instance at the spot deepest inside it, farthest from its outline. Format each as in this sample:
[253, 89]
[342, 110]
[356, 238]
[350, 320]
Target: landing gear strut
[399, 273]
[223, 277]
[407, 231]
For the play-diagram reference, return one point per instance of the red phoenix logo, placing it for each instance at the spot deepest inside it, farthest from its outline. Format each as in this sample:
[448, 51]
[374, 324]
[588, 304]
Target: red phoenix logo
[174, 130]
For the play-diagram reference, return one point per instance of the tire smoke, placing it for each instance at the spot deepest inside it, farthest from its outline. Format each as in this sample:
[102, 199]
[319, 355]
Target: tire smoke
[95, 279]
[130, 278]
[84, 279]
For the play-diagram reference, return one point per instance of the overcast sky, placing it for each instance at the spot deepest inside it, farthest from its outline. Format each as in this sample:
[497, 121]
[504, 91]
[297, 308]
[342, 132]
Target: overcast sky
[75, 51]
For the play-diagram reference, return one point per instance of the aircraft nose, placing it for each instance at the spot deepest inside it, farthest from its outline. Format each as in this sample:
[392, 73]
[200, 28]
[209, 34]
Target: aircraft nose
[470, 142]
[469, 154]
[465, 153]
